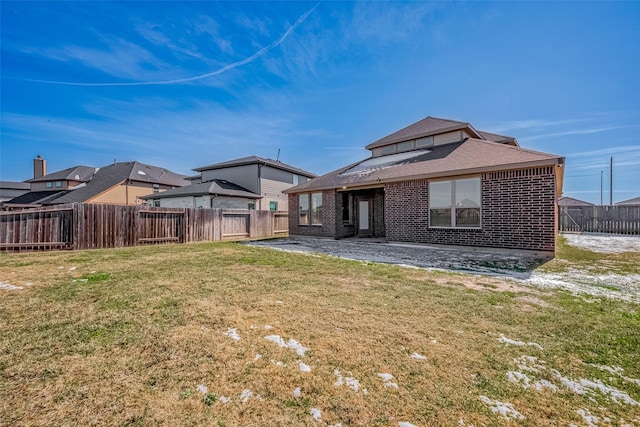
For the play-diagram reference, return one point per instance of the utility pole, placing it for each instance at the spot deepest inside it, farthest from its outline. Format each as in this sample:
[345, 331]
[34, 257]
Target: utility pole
[611, 182]
[601, 173]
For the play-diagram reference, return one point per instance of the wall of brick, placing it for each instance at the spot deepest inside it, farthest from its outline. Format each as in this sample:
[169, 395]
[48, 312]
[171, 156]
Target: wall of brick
[518, 211]
[328, 227]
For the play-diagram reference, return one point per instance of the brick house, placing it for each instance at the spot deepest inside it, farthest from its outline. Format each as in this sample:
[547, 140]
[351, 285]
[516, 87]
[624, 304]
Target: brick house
[437, 181]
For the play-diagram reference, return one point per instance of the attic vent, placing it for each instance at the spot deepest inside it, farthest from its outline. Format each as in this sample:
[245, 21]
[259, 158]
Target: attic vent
[77, 177]
[141, 173]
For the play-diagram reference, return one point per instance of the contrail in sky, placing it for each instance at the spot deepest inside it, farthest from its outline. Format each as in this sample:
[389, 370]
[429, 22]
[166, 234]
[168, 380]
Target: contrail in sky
[224, 69]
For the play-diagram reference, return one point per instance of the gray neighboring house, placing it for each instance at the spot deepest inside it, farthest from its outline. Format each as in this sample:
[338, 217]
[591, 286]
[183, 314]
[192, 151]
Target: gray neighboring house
[247, 183]
[217, 193]
[12, 189]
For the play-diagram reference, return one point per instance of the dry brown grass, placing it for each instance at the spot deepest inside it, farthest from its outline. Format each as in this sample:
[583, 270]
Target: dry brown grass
[127, 337]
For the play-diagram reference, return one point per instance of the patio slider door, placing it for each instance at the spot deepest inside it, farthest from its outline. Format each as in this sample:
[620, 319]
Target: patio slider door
[364, 217]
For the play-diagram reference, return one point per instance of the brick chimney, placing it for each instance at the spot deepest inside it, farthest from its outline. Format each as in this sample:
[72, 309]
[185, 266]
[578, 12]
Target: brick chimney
[39, 167]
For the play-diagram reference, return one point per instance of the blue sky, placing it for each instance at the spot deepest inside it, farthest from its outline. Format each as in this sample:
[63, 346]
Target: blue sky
[183, 85]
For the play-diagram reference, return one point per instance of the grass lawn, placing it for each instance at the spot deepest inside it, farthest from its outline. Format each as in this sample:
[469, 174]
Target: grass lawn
[232, 335]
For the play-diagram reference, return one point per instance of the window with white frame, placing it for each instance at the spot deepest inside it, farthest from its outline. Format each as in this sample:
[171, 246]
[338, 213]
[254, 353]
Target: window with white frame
[316, 208]
[303, 208]
[455, 203]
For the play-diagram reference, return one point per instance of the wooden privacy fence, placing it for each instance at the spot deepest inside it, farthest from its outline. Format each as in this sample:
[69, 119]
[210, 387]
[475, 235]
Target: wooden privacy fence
[85, 226]
[600, 219]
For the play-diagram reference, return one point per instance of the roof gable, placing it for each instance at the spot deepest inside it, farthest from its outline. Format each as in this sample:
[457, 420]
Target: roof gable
[425, 127]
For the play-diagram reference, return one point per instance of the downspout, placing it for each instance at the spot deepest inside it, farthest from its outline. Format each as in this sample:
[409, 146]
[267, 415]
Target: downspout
[260, 185]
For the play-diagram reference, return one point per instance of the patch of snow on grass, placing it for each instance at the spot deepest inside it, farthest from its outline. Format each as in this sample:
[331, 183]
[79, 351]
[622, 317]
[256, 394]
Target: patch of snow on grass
[72, 268]
[224, 399]
[540, 385]
[268, 327]
[258, 357]
[519, 343]
[297, 392]
[316, 414]
[276, 339]
[352, 383]
[386, 380]
[626, 288]
[406, 424]
[505, 409]
[202, 388]
[604, 243]
[617, 371]
[295, 345]
[303, 366]
[519, 378]
[9, 287]
[418, 356]
[292, 344]
[529, 363]
[233, 334]
[616, 395]
[590, 419]
[246, 395]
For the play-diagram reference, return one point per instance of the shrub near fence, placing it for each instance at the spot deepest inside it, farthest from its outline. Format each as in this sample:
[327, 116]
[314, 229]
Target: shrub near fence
[600, 219]
[86, 226]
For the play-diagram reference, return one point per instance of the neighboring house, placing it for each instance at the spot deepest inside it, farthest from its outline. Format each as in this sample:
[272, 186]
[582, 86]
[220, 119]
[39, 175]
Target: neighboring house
[251, 182]
[120, 183]
[217, 193]
[631, 202]
[12, 189]
[437, 181]
[570, 201]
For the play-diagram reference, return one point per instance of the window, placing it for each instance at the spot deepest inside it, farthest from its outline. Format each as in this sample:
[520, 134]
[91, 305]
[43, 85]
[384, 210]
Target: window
[156, 188]
[58, 184]
[303, 203]
[455, 203]
[424, 142]
[49, 184]
[251, 205]
[273, 206]
[310, 209]
[316, 208]
[389, 149]
[156, 203]
[346, 208]
[404, 146]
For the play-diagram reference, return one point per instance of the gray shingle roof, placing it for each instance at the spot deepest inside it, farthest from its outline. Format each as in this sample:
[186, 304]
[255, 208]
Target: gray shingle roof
[217, 186]
[632, 202]
[425, 127]
[36, 197]
[14, 185]
[251, 160]
[75, 173]
[109, 176]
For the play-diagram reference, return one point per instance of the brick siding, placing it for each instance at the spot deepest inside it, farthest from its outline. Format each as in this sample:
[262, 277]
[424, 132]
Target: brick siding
[518, 211]
[328, 227]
